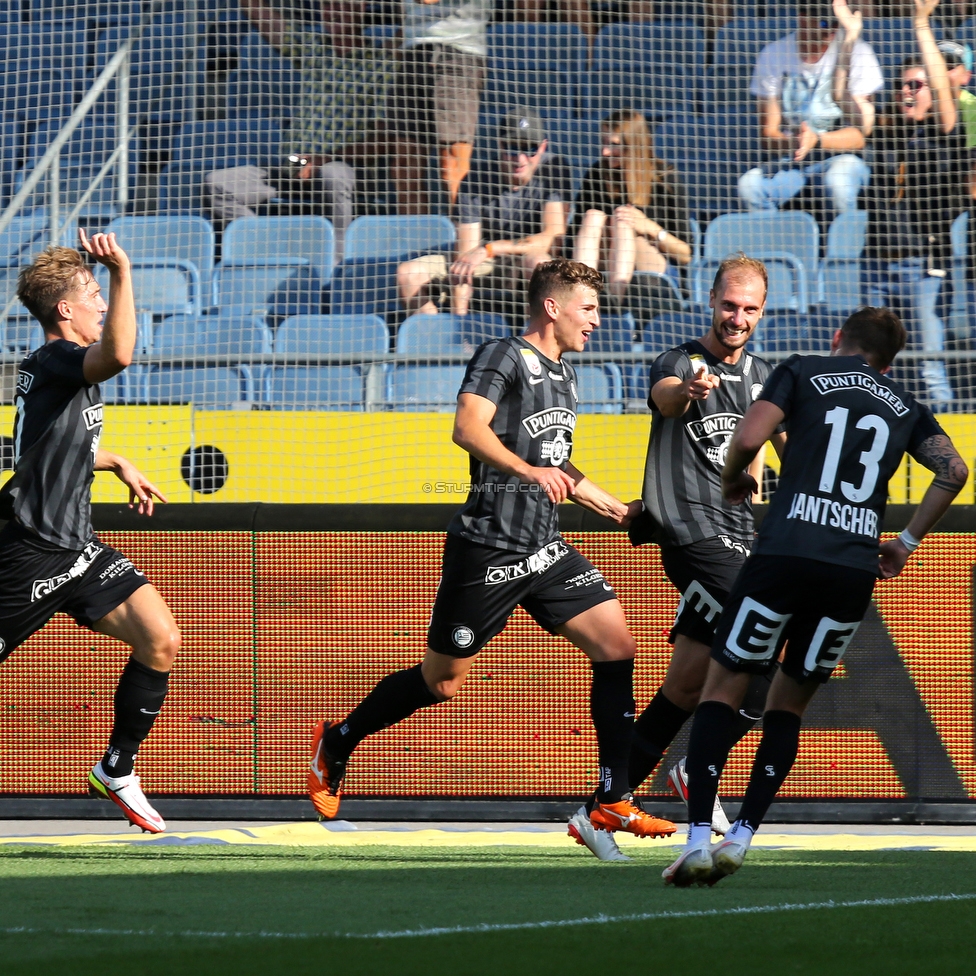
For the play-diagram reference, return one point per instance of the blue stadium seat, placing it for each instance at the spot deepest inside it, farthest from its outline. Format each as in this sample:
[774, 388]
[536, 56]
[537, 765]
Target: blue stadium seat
[267, 238]
[788, 332]
[231, 333]
[547, 93]
[277, 287]
[365, 281]
[425, 388]
[544, 47]
[216, 143]
[673, 328]
[206, 387]
[659, 91]
[680, 43]
[191, 239]
[839, 285]
[396, 236]
[162, 287]
[446, 334]
[787, 241]
[261, 94]
[600, 388]
[325, 387]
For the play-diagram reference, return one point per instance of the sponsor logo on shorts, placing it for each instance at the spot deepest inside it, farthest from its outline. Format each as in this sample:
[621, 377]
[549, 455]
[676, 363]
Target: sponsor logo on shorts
[25, 381]
[120, 567]
[43, 588]
[825, 383]
[590, 578]
[558, 418]
[462, 637]
[732, 544]
[699, 600]
[3, 645]
[538, 562]
[93, 415]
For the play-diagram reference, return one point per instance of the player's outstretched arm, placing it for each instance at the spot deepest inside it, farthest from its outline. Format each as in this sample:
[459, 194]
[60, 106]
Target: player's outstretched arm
[141, 489]
[672, 395]
[473, 433]
[590, 495]
[113, 352]
[940, 456]
[751, 433]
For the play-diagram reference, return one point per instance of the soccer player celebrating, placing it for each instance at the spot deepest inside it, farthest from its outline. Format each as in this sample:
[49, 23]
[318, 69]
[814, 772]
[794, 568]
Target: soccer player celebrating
[50, 558]
[809, 580]
[699, 392]
[516, 415]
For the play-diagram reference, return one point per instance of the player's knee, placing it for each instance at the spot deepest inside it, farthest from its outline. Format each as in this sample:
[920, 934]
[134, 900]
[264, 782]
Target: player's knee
[446, 689]
[619, 647]
[164, 647]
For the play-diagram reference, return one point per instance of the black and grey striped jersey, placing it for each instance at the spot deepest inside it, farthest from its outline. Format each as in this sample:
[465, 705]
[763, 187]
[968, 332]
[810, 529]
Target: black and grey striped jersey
[685, 455]
[536, 402]
[56, 431]
[848, 428]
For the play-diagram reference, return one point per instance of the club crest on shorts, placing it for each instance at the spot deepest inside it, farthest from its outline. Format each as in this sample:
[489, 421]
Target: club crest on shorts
[462, 637]
[531, 362]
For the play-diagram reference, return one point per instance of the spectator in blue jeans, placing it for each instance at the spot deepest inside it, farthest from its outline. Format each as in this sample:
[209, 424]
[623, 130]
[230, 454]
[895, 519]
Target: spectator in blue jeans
[814, 88]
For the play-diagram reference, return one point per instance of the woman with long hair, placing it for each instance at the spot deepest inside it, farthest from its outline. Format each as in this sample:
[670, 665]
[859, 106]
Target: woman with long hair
[643, 200]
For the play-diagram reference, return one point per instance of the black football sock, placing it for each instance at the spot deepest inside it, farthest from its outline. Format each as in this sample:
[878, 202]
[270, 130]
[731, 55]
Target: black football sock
[753, 705]
[612, 709]
[774, 760]
[139, 697]
[654, 731]
[708, 749]
[397, 696]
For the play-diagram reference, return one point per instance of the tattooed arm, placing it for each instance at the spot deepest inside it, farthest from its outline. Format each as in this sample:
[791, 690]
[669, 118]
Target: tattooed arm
[940, 456]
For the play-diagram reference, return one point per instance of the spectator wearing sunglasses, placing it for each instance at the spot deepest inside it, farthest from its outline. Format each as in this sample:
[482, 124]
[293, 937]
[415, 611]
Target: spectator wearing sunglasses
[512, 213]
[921, 172]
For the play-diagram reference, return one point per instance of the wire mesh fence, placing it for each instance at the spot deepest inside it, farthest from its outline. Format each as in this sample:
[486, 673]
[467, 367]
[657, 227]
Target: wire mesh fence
[330, 206]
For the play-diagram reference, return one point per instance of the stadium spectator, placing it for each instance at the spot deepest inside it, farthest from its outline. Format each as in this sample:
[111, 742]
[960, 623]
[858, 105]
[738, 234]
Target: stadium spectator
[809, 580]
[512, 211]
[814, 88]
[51, 558]
[434, 98]
[336, 126]
[515, 417]
[959, 66]
[699, 391]
[644, 200]
[922, 169]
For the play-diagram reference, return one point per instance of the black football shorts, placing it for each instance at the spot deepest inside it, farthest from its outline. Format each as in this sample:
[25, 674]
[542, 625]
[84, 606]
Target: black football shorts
[480, 587]
[812, 607]
[38, 580]
[703, 573]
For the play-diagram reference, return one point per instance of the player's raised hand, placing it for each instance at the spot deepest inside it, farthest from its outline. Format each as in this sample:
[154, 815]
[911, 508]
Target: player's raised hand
[853, 20]
[892, 556]
[925, 8]
[105, 249]
[553, 481]
[701, 384]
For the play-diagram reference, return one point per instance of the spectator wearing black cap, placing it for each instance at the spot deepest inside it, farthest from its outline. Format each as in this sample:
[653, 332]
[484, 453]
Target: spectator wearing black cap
[512, 211]
[814, 88]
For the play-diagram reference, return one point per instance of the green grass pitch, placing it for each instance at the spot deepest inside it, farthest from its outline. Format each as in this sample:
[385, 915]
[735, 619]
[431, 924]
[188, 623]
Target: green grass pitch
[486, 910]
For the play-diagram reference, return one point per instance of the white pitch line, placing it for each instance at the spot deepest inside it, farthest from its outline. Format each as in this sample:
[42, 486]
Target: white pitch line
[502, 927]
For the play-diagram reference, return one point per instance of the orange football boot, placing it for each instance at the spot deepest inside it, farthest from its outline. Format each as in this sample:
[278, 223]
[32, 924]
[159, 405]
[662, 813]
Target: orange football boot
[324, 776]
[628, 815]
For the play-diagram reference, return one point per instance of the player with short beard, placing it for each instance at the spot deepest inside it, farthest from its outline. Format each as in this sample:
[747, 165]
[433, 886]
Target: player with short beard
[516, 415]
[699, 392]
[50, 558]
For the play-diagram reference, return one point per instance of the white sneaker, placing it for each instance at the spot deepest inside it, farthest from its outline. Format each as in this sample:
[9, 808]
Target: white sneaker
[727, 858]
[126, 792]
[599, 842]
[678, 779]
[693, 867]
